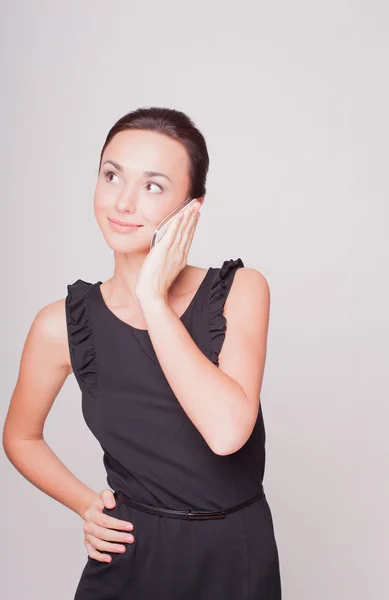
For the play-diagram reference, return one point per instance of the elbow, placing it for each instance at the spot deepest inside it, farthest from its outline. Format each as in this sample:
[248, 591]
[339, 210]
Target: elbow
[9, 438]
[226, 447]
[235, 438]
[9, 443]
[233, 442]
[6, 440]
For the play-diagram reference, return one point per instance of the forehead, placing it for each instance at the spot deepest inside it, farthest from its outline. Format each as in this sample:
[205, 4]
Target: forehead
[148, 151]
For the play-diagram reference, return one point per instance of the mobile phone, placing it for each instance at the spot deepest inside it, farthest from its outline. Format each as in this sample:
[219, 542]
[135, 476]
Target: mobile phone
[163, 225]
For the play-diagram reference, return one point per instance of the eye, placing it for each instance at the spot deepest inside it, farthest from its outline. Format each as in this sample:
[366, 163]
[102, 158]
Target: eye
[107, 174]
[152, 183]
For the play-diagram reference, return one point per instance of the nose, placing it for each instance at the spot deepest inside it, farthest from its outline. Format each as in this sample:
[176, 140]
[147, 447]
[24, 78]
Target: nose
[126, 201]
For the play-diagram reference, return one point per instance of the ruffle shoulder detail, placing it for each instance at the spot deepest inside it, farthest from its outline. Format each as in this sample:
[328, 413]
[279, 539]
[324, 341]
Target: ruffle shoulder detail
[219, 290]
[80, 335]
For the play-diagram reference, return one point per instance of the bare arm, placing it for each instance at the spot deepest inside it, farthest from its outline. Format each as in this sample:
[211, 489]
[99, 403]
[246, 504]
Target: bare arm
[221, 402]
[44, 367]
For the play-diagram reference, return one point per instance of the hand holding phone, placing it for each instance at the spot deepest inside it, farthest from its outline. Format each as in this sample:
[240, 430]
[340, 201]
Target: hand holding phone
[164, 224]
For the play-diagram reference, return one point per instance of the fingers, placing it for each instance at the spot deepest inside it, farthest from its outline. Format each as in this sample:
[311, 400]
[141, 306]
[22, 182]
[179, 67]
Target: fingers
[93, 553]
[106, 546]
[100, 529]
[191, 232]
[189, 228]
[171, 232]
[102, 546]
[108, 498]
[101, 539]
[96, 516]
[177, 227]
[107, 533]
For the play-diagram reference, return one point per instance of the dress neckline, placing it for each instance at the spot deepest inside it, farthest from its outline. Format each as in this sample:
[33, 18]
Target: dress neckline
[146, 331]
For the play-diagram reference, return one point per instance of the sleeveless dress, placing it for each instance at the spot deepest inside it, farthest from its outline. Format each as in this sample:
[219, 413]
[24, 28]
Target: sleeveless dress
[153, 453]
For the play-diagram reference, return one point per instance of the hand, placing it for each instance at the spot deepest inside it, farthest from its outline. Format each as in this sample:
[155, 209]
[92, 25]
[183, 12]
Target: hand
[99, 527]
[168, 257]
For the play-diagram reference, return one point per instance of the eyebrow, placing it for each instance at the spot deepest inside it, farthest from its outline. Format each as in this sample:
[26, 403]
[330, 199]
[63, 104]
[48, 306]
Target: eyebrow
[147, 173]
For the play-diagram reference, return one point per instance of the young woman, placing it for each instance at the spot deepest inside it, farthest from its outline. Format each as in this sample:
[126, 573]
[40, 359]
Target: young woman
[169, 358]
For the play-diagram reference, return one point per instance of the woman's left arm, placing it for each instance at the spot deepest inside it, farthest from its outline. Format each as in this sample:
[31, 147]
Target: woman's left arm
[222, 402]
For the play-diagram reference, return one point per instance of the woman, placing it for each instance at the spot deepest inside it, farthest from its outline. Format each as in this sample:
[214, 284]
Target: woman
[171, 394]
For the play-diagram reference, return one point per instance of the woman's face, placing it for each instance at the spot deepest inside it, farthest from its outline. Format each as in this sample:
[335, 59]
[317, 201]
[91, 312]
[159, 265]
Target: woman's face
[127, 191]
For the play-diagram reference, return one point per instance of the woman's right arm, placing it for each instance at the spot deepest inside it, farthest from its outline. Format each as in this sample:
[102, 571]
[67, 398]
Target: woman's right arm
[44, 367]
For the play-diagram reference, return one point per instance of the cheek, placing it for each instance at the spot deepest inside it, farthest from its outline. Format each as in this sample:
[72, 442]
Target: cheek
[99, 212]
[100, 201]
[155, 212]
[101, 207]
[150, 214]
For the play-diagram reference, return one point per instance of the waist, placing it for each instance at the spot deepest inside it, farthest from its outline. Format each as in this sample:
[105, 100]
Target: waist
[193, 515]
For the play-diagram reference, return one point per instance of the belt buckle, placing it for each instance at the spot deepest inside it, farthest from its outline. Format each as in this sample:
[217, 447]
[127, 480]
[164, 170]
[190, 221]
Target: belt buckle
[199, 515]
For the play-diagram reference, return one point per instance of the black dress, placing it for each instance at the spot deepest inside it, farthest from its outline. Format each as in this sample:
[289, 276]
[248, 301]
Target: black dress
[154, 453]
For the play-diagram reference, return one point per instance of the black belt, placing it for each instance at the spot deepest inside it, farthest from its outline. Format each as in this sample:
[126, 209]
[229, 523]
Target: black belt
[181, 514]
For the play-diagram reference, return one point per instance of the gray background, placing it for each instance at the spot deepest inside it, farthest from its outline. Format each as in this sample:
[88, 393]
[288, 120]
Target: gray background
[292, 98]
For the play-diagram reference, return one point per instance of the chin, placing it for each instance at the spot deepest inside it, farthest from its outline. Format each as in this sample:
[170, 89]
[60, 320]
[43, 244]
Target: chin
[131, 242]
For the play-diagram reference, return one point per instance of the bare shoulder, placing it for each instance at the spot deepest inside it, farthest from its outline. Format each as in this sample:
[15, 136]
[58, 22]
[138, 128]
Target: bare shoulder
[51, 321]
[249, 285]
[49, 325]
[248, 301]
[44, 367]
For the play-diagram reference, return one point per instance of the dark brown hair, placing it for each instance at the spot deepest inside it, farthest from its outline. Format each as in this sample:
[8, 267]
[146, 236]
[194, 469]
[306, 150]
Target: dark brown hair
[176, 125]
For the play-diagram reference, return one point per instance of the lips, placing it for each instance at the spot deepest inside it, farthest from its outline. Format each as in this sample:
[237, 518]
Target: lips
[123, 223]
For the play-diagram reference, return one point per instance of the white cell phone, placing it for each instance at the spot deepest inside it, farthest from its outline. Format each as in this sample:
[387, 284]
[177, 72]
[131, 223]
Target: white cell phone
[162, 227]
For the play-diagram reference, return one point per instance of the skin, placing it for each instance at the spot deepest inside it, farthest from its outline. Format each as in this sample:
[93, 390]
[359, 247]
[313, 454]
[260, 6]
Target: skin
[149, 290]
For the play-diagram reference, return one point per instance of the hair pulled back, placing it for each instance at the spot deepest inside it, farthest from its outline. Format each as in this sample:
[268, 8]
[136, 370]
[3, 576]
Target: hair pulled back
[176, 125]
